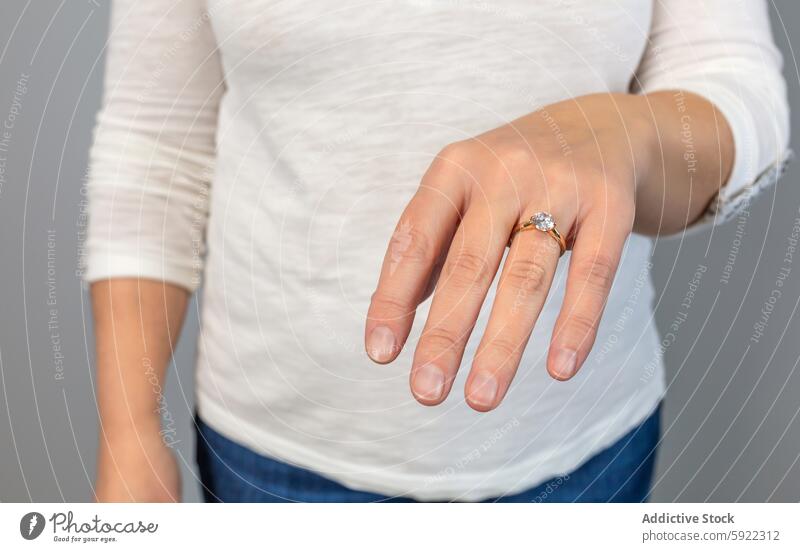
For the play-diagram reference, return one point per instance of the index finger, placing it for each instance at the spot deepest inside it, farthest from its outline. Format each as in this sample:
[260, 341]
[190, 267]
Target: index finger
[421, 236]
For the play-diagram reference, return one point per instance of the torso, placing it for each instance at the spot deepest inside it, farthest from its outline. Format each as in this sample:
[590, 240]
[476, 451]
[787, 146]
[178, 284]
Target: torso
[332, 112]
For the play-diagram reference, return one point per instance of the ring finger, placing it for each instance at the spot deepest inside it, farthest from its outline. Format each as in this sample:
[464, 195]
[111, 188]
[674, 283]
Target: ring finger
[521, 293]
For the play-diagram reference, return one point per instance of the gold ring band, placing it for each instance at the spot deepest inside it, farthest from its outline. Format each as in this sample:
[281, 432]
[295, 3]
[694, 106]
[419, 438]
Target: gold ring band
[542, 222]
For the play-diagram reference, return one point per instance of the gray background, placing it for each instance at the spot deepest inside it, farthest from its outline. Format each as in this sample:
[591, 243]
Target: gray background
[731, 427]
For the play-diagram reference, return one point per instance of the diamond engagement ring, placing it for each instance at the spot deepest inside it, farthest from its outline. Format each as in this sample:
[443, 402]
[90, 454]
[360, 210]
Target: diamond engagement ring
[543, 222]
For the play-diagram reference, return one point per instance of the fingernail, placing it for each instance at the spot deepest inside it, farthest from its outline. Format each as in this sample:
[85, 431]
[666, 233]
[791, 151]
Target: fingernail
[428, 382]
[483, 390]
[381, 344]
[564, 363]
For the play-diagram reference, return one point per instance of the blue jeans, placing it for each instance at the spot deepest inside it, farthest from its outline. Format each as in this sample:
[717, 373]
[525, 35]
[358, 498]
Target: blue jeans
[230, 472]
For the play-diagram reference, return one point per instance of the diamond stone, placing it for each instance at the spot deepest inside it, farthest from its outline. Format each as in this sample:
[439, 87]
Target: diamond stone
[543, 221]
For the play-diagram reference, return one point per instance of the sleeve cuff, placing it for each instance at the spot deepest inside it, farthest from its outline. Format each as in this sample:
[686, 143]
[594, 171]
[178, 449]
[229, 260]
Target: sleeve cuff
[725, 207]
[748, 176]
[105, 266]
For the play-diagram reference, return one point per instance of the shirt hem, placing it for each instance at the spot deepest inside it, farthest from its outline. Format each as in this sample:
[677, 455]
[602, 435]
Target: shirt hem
[534, 470]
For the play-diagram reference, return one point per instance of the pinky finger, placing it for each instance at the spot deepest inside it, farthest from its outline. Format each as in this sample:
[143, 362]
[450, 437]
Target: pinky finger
[593, 265]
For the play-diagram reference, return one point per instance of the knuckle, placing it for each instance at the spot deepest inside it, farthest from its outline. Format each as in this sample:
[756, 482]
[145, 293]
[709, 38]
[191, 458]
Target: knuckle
[505, 347]
[558, 170]
[411, 243]
[467, 268]
[452, 156]
[389, 305]
[514, 157]
[598, 273]
[514, 151]
[528, 274]
[582, 326]
[440, 339]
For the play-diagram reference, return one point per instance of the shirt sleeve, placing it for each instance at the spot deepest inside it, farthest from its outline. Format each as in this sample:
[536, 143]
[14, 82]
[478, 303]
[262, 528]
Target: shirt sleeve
[152, 156]
[723, 50]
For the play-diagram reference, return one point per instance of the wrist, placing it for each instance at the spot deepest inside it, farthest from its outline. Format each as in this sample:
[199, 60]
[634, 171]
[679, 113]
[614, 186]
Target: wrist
[643, 138]
[130, 425]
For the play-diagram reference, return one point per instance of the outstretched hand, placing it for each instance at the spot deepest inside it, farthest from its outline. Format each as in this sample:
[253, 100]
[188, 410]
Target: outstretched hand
[589, 162]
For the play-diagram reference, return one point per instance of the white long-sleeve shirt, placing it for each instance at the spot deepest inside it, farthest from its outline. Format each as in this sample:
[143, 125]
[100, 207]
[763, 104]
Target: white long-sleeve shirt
[269, 148]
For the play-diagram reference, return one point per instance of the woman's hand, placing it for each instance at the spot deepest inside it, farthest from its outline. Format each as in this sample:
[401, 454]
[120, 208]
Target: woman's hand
[136, 466]
[586, 161]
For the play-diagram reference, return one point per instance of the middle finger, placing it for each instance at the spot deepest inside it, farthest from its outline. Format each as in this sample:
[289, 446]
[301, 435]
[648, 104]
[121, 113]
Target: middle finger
[468, 271]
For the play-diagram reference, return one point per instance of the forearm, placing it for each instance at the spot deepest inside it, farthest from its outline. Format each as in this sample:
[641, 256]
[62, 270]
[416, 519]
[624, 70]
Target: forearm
[137, 323]
[689, 155]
